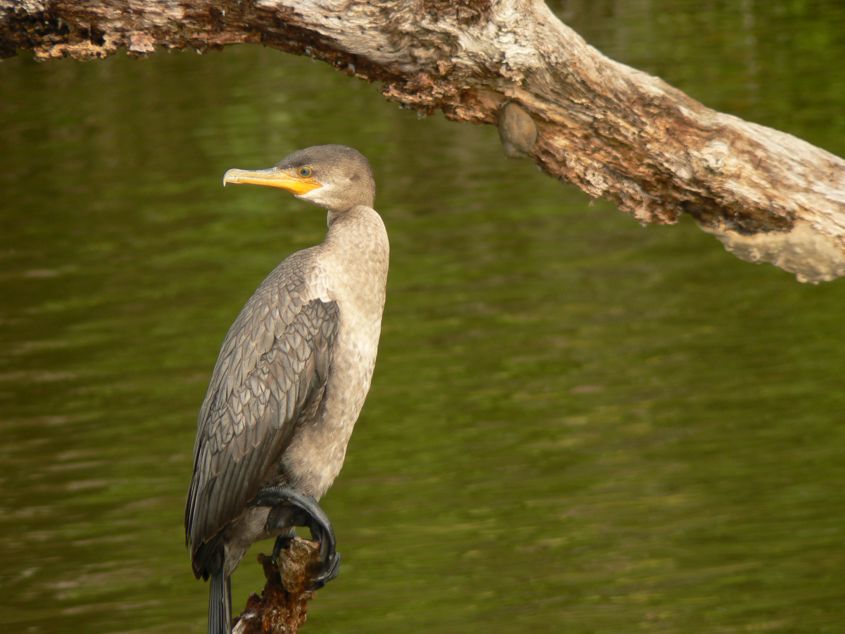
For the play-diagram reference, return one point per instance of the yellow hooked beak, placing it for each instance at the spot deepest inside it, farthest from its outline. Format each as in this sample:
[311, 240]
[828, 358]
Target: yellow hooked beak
[273, 177]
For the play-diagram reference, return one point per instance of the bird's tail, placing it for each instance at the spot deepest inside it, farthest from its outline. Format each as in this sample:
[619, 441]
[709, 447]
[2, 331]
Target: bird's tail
[219, 604]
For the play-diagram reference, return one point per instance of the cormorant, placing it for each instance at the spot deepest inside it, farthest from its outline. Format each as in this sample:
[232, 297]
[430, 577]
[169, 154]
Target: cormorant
[290, 380]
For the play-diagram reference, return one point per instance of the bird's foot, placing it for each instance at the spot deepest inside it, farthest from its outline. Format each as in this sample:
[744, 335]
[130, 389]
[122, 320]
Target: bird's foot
[282, 543]
[291, 509]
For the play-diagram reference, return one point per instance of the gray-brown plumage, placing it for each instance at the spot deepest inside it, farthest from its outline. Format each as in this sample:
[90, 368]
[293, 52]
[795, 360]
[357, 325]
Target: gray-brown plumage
[291, 378]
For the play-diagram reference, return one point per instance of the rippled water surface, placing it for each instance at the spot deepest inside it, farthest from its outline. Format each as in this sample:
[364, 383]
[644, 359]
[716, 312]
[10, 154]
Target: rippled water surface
[576, 424]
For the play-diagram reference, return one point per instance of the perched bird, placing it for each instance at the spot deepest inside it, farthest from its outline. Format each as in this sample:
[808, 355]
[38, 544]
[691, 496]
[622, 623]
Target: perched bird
[290, 380]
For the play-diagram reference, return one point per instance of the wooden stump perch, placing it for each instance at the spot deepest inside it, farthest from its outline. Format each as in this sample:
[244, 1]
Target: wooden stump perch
[611, 130]
[283, 605]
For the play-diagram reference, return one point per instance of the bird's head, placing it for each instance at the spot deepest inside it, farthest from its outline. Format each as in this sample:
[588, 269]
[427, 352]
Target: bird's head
[335, 177]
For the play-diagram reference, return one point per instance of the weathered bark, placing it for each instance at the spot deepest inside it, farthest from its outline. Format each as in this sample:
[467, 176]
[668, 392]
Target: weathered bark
[611, 130]
[283, 604]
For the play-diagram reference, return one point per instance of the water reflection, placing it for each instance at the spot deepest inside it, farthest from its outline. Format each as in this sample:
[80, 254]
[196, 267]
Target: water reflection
[576, 424]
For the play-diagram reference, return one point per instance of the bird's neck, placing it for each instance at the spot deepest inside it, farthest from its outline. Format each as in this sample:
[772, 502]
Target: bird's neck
[357, 251]
[333, 215]
[355, 223]
[358, 233]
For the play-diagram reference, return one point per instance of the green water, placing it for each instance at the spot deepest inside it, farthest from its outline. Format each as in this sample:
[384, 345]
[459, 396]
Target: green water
[576, 424]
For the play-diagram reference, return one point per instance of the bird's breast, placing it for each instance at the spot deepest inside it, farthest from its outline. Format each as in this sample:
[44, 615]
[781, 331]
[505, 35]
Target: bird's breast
[316, 454]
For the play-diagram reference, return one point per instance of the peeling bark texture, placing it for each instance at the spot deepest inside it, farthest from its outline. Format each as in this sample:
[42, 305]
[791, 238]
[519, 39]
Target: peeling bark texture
[283, 605]
[611, 130]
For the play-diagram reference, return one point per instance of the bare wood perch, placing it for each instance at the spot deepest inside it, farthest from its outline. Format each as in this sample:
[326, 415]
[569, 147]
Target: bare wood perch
[611, 130]
[283, 605]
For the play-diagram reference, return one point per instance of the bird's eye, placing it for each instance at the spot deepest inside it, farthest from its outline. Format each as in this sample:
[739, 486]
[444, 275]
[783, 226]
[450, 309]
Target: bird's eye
[304, 172]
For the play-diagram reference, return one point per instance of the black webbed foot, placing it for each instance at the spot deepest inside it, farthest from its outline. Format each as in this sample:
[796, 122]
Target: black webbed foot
[289, 509]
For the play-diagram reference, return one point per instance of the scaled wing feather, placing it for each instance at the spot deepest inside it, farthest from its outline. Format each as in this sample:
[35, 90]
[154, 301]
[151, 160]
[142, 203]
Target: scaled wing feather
[262, 382]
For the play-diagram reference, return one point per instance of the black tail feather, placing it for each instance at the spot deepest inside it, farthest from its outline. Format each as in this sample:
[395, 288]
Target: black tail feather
[219, 604]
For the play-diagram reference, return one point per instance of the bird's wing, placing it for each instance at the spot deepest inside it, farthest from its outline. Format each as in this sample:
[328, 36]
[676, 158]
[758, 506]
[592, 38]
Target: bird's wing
[273, 364]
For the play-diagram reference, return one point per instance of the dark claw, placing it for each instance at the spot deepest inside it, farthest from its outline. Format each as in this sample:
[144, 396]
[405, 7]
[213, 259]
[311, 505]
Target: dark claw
[282, 543]
[291, 509]
[330, 570]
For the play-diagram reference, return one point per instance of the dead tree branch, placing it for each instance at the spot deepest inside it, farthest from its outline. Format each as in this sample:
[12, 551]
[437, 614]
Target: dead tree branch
[611, 130]
[283, 605]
